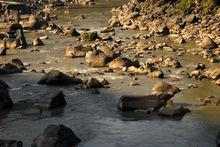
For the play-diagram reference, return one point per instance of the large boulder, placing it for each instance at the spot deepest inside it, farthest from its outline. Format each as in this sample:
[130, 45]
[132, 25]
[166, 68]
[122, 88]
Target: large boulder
[77, 51]
[10, 143]
[131, 103]
[56, 136]
[96, 58]
[55, 77]
[51, 100]
[162, 87]
[5, 100]
[208, 43]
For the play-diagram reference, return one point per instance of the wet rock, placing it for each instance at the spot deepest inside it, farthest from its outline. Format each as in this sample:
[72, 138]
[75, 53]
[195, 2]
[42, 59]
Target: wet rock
[36, 23]
[55, 77]
[73, 32]
[2, 83]
[94, 83]
[37, 42]
[190, 86]
[56, 136]
[200, 66]
[108, 52]
[131, 103]
[213, 73]
[9, 68]
[5, 100]
[3, 50]
[218, 139]
[51, 100]
[88, 36]
[169, 62]
[217, 82]
[195, 74]
[163, 30]
[119, 63]
[162, 87]
[208, 43]
[156, 74]
[179, 40]
[173, 111]
[77, 51]
[11, 143]
[96, 58]
[211, 100]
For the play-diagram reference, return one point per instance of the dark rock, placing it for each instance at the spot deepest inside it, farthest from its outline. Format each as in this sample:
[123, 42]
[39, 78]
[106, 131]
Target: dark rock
[51, 100]
[5, 100]
[55, 77]
[173, 111]
[10, 143]
[3, 51]
[191, 19]
[131, 103]
[8, 68]
[218, 139]
[56, 136]
[37, 42]
[93, 83]
[2, 83]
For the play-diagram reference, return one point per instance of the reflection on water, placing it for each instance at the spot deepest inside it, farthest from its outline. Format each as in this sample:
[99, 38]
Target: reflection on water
[95, 118]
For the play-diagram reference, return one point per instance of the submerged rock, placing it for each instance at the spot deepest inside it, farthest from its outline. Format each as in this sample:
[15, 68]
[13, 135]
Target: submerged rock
[162, 87]
[51, 100]
[11, 143]
[55, 77]
[56, 136]
[131, 103]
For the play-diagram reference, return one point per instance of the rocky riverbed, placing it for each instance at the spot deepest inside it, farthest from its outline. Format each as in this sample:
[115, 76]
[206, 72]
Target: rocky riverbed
[107, 86]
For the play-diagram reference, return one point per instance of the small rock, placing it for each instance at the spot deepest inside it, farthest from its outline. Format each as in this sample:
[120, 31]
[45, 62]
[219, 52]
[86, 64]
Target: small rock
[208, 43]
[93, 83]
[37, 42]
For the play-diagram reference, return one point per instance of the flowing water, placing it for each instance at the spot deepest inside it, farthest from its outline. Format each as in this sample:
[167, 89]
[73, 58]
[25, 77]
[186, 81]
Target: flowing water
[94, 117]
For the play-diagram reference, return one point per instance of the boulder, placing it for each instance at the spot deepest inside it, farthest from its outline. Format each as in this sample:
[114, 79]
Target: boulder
[119, 63]
[5, 100]
[131, 103]
[56, 136]
[10, 143]
[173, 111]
[77, 51]
[96, 58]
[88, 36]
[162, 87]
[55, 77]
[94, 83]
[37, 42]
[51, 100]
[8, 68]
[208, 43]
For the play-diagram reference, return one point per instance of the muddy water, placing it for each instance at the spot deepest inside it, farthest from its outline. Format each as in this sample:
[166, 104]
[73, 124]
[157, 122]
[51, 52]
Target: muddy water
[95, 118]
